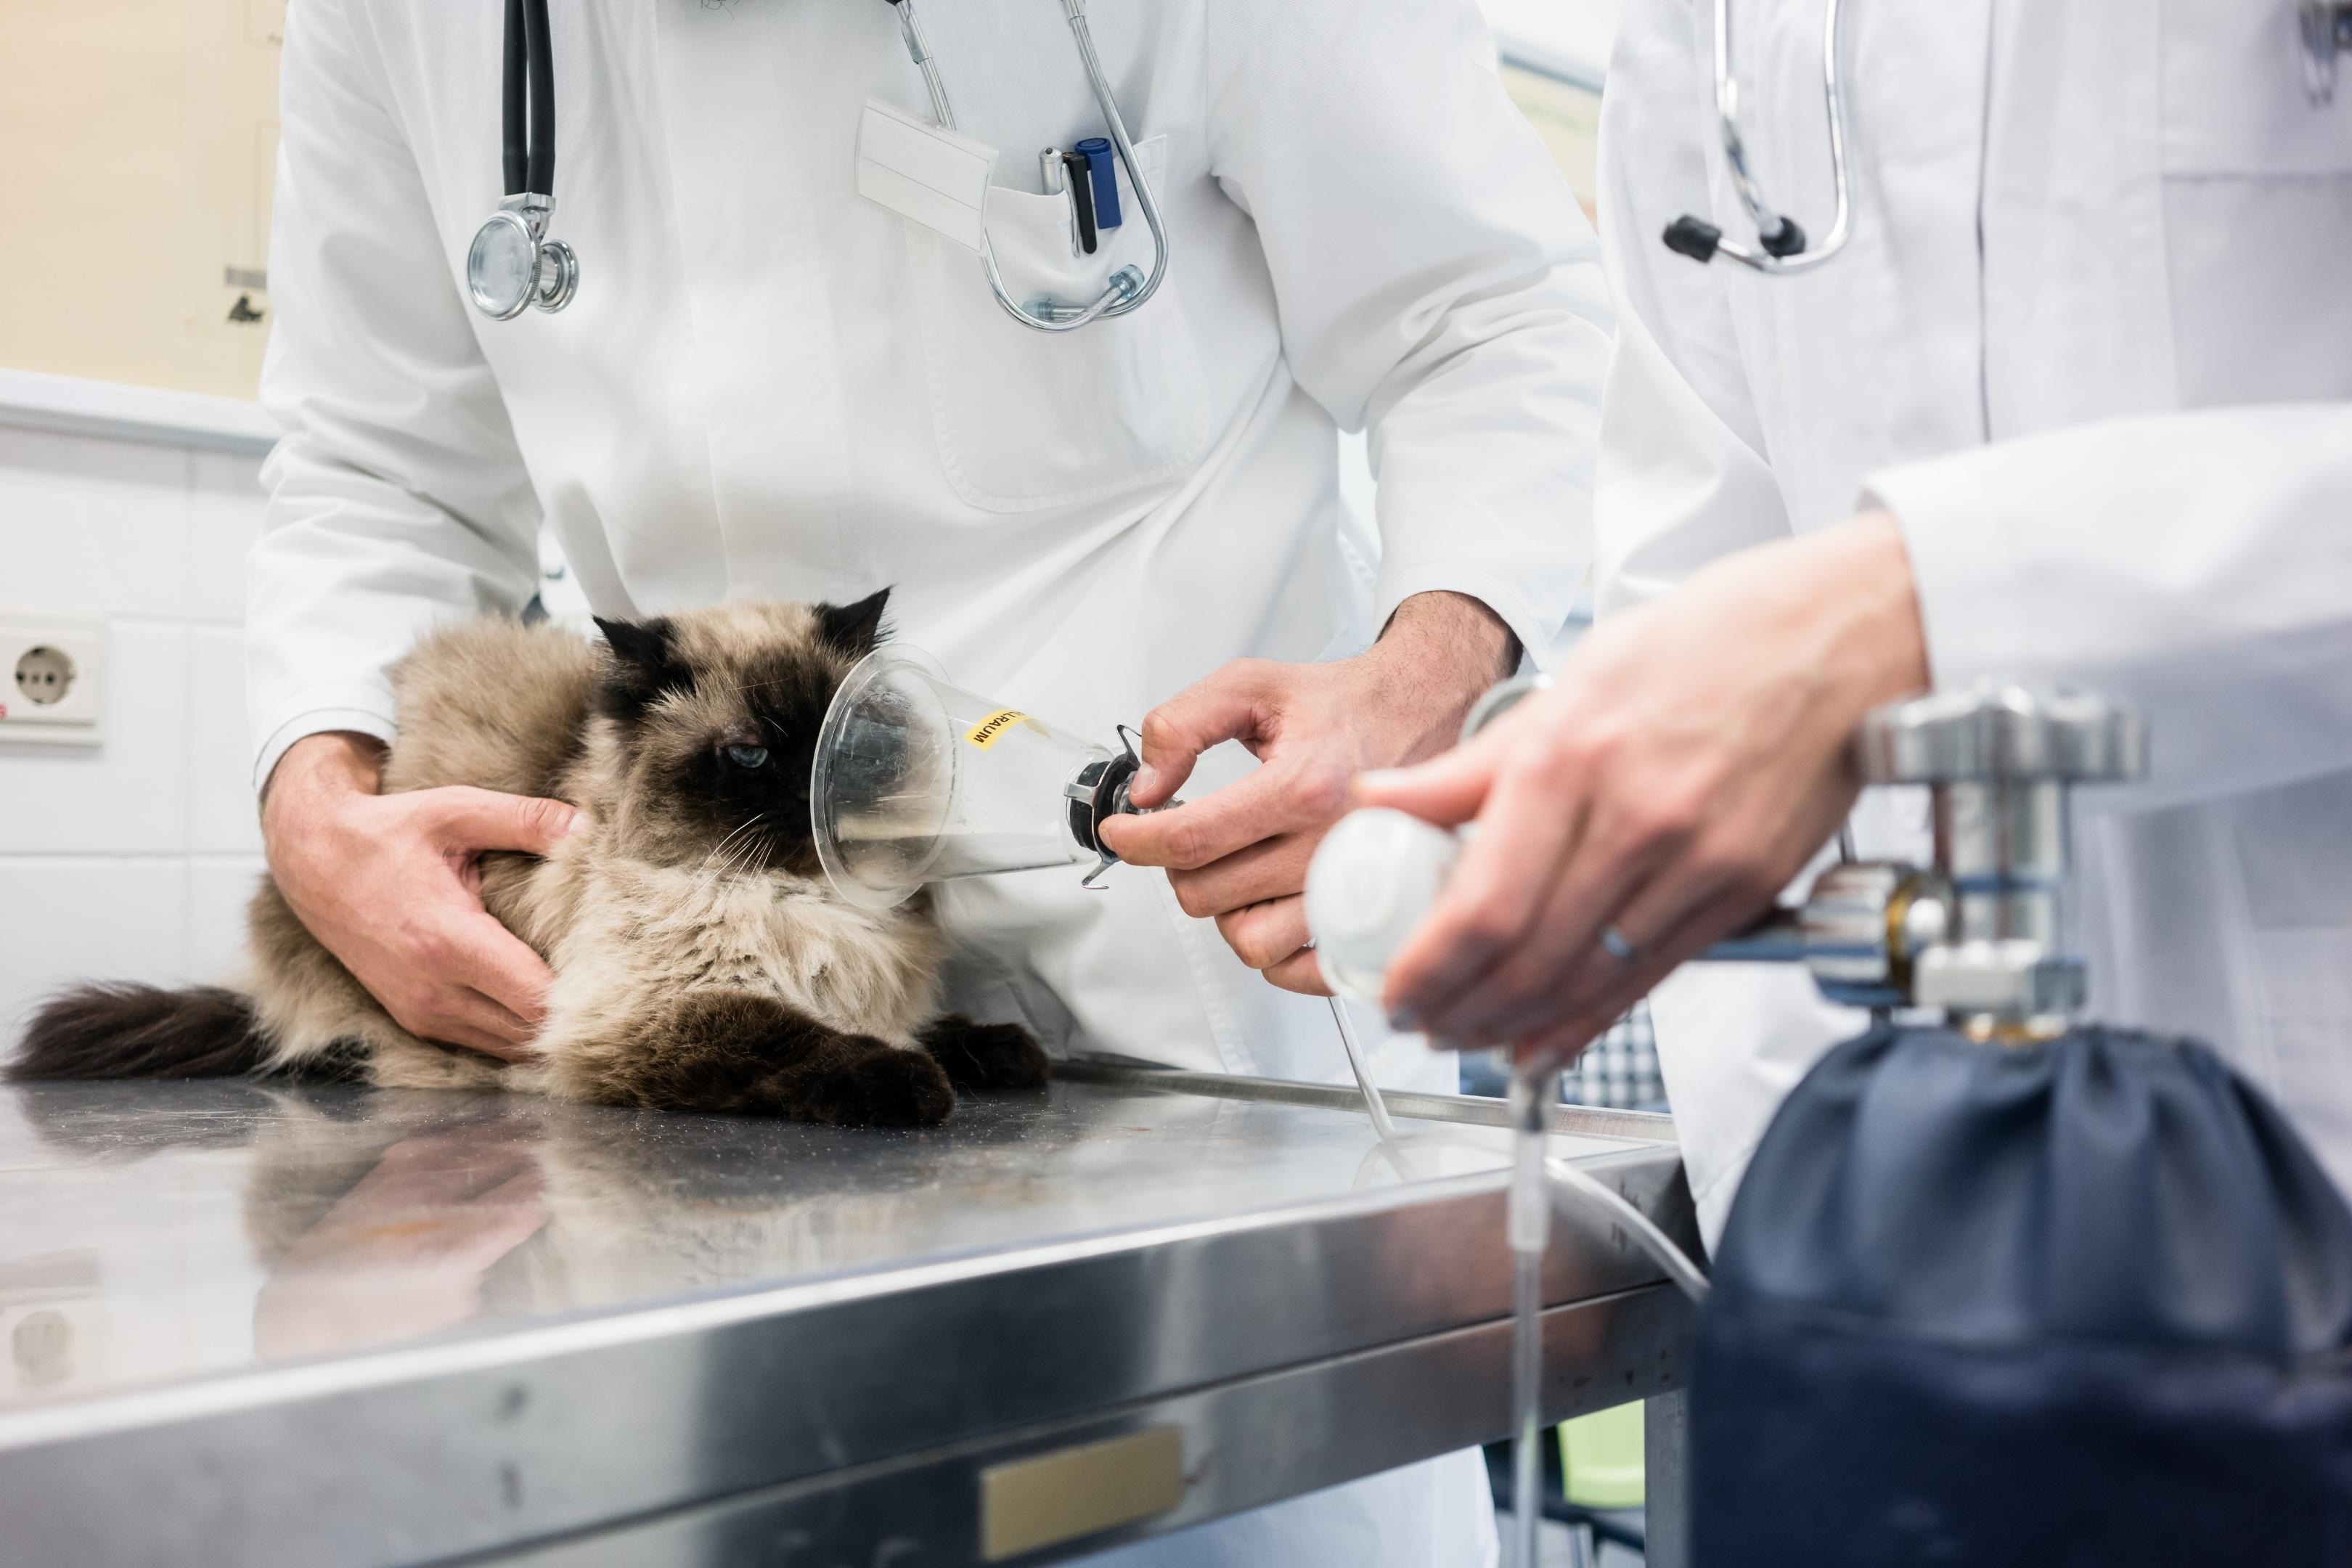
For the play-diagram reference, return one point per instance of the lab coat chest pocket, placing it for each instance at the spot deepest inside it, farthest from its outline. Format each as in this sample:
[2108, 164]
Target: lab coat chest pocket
[2257, 206]
[1026, 419]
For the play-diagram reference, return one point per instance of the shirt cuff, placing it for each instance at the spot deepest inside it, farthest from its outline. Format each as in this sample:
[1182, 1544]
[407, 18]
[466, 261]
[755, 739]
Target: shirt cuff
[359, 710]
[1964, 567]
[1517, 608]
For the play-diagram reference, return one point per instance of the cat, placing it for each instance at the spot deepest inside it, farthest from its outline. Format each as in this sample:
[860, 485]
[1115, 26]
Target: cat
[702, 961]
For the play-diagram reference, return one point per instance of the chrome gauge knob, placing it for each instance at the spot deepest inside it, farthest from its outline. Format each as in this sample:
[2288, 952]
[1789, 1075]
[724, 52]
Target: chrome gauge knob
[1999, 762]
[2004, 732]
[1865, 924]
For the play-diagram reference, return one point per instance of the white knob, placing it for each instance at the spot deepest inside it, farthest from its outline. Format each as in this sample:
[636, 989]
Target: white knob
[1373, 880]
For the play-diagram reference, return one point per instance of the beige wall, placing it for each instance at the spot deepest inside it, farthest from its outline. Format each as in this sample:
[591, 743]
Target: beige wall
[137, 142]
[1568, 118]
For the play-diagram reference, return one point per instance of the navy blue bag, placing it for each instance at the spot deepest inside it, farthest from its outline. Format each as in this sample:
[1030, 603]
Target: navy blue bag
[2084, 1303]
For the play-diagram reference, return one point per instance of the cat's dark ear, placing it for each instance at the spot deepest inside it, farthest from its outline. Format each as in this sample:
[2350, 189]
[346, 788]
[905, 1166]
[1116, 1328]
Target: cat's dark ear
[645, 663]
[855, 628]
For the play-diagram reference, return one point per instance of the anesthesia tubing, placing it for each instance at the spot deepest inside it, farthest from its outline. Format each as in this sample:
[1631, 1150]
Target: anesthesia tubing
[1538, 1184]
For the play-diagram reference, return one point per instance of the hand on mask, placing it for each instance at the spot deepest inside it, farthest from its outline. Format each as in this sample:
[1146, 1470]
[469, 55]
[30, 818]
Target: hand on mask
[1238, 855]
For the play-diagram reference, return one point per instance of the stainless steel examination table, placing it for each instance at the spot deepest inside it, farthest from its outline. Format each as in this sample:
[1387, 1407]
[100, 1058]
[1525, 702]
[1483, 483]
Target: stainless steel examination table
[252, 1325]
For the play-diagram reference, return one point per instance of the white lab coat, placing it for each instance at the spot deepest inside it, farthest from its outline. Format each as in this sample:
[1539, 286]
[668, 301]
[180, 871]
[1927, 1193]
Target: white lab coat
[771, 386]
[2092, 345]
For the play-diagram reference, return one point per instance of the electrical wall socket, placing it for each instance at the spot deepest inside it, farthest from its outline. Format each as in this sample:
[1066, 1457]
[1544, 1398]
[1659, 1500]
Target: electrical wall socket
[52, 682]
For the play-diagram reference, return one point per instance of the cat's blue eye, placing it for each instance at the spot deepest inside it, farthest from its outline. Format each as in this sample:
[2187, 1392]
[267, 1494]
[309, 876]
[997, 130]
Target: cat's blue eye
[748, 756]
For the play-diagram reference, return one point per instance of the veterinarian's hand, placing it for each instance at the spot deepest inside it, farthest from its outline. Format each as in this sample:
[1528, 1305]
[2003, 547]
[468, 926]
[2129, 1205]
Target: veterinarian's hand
[1689, 758]
[1240, 854]
[391, 885]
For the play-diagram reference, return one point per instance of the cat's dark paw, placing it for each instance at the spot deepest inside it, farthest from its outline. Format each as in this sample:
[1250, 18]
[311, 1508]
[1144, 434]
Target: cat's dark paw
[886, 1088]
[986, 1056]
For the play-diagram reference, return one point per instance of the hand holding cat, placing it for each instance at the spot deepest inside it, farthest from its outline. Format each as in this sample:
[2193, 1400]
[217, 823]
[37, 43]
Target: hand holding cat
[388, 883]
[1239, 855]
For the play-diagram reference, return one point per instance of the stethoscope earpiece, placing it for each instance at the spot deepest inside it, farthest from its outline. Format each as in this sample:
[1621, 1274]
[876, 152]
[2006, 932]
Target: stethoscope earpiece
[1780, 242]
[2325, 30]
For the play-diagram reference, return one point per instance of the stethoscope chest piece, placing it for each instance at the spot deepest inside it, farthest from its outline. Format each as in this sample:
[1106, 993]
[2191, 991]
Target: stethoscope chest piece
[510, 266]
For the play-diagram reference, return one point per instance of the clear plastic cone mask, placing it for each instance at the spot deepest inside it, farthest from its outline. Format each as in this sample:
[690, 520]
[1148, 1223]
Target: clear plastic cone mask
[916, 780]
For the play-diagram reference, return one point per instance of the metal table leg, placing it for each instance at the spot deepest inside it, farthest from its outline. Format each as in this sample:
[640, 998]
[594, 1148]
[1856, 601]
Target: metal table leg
[1666, 1442]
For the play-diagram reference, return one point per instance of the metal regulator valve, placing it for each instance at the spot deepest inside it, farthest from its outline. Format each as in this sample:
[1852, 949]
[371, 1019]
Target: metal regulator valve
[1977, 934]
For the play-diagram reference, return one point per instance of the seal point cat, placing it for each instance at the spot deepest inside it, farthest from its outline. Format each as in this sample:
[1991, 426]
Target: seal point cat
[702, 962]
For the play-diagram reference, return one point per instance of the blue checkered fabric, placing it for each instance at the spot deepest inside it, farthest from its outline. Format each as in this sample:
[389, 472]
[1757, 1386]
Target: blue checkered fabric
[1619, 1070]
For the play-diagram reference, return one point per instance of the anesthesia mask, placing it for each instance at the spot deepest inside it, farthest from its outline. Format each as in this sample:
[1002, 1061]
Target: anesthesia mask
[916, 780]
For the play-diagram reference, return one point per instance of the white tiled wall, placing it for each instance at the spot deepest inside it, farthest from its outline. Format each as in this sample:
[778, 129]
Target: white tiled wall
[131, 859]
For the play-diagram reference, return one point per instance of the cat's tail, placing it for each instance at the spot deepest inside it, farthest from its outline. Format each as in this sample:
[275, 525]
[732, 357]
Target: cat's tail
[141, 1031]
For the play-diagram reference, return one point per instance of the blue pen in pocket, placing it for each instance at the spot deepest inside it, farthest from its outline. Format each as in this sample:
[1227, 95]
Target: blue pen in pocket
[1102, 170]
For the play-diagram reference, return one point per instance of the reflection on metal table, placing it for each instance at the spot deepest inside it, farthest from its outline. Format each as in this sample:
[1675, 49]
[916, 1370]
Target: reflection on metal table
[255, 1325]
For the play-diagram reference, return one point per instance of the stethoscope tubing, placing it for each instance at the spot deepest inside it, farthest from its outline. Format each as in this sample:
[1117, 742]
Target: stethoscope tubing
[527, 159]
[1760, 212]
[513, 240]
[527, 109]
[1114, 300]
[2325, 30]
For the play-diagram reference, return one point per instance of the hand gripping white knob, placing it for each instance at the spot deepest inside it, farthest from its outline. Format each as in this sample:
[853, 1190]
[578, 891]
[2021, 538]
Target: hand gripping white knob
[1371, 882]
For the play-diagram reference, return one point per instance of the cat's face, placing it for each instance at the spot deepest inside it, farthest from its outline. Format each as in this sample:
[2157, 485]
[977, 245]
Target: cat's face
[718, 713]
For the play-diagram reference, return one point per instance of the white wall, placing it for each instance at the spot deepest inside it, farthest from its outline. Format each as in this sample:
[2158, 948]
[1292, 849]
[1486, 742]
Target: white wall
[132, 859]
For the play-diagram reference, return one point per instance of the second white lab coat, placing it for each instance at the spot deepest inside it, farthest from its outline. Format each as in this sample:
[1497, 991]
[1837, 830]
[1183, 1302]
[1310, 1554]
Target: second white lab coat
[769, 384]
[2091, 343]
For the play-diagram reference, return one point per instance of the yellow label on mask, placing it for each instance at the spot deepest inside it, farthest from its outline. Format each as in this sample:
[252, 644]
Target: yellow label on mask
[990, 729]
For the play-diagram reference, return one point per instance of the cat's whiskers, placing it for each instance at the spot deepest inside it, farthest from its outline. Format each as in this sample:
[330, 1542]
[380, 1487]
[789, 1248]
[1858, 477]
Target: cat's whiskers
[720, 847]
[744, 848]
[753, 849]
[747, 845]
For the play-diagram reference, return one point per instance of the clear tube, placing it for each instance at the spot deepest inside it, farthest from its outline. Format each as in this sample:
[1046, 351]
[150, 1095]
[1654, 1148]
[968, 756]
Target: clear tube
[1538, 1183]
[1530, 1225]
[1375, 1106]
[1570, 1178]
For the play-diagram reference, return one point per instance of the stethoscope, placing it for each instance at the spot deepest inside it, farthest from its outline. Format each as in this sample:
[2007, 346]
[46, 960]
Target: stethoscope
[1780, 248]
[1125, 289]
[513, 266]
